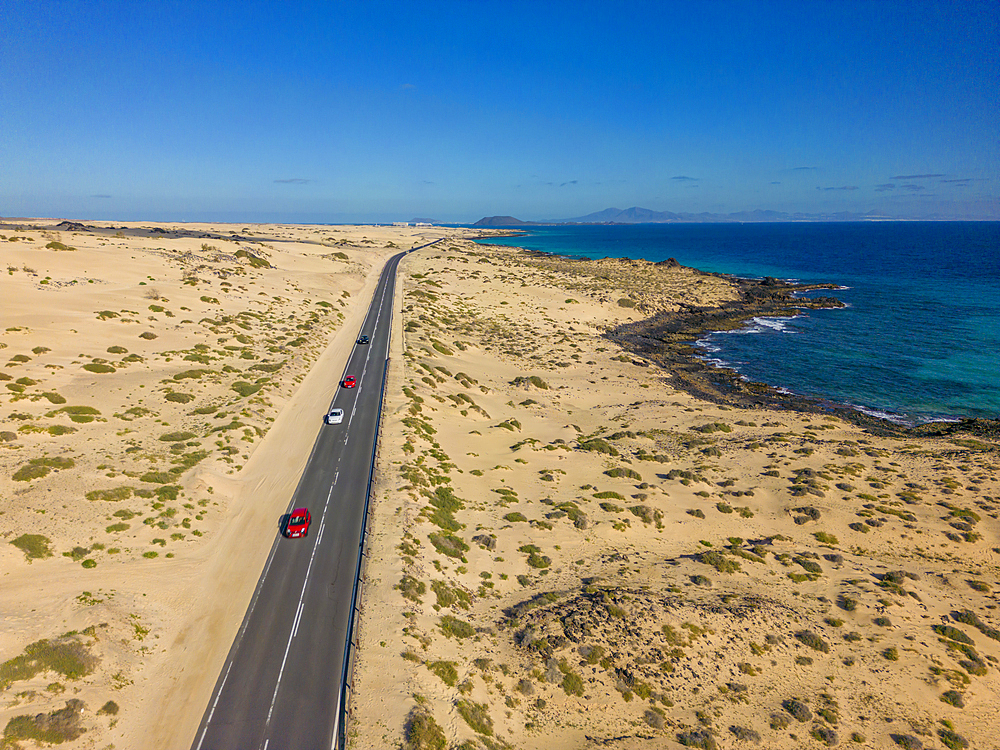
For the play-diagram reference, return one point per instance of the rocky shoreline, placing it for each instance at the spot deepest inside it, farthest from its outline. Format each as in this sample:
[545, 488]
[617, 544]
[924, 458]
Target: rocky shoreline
[667, 339]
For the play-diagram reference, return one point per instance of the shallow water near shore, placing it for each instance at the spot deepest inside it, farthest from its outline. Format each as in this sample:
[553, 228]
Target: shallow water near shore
[918, 340]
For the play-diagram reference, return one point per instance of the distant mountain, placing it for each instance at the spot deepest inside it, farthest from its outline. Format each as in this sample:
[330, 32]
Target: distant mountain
[500, 221]
[637, 215]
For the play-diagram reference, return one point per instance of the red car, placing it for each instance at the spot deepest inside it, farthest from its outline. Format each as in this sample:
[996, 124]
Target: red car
[350, 382]
[298, 523]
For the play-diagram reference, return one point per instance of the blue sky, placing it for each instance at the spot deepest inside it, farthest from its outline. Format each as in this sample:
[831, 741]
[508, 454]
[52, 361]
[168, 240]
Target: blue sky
[371, 111]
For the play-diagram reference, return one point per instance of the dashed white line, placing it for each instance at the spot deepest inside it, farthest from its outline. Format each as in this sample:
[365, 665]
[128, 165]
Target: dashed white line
[295, 626]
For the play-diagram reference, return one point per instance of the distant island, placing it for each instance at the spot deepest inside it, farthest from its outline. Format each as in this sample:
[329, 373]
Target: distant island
[637, 215]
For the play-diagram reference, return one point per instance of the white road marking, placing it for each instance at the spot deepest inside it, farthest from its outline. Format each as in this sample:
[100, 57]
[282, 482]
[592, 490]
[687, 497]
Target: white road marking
[214, 704]
[295, 626]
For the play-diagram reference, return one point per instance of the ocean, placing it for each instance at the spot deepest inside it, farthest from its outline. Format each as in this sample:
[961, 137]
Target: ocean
[919, 339]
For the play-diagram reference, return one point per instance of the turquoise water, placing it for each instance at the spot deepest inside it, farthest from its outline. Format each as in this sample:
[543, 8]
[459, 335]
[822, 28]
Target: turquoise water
[918, 340]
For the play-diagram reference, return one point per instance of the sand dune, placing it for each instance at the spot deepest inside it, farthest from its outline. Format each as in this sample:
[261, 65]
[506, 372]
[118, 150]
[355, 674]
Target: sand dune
[162, 387]
[568, 552]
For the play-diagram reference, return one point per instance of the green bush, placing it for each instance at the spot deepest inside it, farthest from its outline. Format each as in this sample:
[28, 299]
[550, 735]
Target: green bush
[446, 670]
[246, 389]
[191, 374]
[626, 473]
[176, 437]
[719, 561]
[455, 628]
[98, 368]
[55, 727]
[179, 398]
[598, 445]
[476, 715]
[823, 538]
[54, 398]
[34, 546]
[66, 656]
[111, 495]
[813, 641]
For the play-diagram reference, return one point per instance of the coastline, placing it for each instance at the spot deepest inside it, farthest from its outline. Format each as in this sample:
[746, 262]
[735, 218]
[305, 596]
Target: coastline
[669, 338]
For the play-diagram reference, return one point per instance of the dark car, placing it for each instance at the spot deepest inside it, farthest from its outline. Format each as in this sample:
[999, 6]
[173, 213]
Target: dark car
[362, 339]
[350, 382]
[298, 523]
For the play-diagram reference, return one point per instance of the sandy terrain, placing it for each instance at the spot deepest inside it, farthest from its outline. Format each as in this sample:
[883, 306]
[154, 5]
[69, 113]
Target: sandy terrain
[161, 388]
[569, 552]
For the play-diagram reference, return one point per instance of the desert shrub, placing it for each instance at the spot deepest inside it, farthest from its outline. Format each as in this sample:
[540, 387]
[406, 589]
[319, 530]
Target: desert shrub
[626, 473]
[116, 527]
[608, 495]
[246, 389]
[883, 622]
[907, 741]
[700, 738]
[813, 641]
[626, 302]
[34, 546]
[779, 721]
[411, 588]
[117, 350]
[654, 718]
[54, 398]
[55, 727]
[66, 656]
[179, 398]
[799, 710]
[112, 495]
[98, 368]
[423, 732]
[952, 633]
[713, 427]
[534, 380]
[476, 715]
[696, 512]
[611, 508]
[745, 734]
[148, 335]
[572, 684]
[953, 698]
[39, 467]
[157, 477]
[448, 544]
[515, 517]
[446, 670]
[719, 561]
[847, 603]
[647, 514]
[191, 374]
[823, 538]
[176, 437]
[825, 735]
[108, 709]
[952, 740]
[455, 628]
[598, 445]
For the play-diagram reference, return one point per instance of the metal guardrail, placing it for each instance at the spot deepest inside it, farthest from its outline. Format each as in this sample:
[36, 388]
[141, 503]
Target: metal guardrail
[347, 678]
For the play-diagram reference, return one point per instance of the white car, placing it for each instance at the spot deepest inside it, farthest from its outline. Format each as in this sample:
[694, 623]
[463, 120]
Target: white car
[336, 416]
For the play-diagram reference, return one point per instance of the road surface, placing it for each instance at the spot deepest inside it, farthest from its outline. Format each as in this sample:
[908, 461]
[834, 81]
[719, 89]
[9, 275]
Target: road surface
[280, 686]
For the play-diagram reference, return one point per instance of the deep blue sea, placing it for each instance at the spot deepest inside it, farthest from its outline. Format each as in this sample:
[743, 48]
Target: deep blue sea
[918, 340]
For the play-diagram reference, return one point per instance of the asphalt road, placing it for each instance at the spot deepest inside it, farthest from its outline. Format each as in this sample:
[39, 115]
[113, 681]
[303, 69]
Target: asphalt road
[280, 686]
